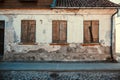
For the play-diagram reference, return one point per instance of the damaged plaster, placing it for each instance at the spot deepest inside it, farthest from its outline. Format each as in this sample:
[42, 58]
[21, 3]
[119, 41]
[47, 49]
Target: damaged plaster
[42, 50]
[76, 52]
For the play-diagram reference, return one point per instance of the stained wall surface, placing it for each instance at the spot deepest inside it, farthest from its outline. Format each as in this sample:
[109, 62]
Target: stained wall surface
[75, 34]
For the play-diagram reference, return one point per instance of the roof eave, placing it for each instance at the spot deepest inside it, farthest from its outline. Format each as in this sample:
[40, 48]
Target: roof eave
[85, 7]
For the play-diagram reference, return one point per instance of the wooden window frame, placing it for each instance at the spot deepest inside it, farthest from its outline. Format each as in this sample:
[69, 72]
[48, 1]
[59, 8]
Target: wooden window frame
[31, 43]
[62, 44]
[91, 43]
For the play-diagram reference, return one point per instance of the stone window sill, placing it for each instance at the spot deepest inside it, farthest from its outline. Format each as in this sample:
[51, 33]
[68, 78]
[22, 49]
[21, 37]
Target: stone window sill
[90, 44]
[28, 43]
[61, 44]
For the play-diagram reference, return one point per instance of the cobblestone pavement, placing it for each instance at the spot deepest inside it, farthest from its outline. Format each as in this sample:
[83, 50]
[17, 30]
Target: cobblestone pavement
[38, 75]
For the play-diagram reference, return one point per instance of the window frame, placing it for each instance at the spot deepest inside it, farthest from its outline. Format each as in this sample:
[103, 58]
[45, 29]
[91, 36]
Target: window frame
[28, 43]
[55, 43]
[91, 43]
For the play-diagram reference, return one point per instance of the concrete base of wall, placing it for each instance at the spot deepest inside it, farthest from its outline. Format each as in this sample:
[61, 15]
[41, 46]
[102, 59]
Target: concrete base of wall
[74, 52]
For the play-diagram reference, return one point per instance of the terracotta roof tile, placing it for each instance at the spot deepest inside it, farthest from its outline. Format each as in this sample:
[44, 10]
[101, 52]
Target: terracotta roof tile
[85, 3]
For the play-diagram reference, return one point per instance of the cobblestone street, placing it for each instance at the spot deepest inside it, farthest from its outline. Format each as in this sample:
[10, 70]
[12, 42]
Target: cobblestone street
[36, 75]
[59, 71]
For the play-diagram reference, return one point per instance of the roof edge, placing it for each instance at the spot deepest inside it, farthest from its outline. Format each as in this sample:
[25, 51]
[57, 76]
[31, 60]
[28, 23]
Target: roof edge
[111, 5]
[85, 7]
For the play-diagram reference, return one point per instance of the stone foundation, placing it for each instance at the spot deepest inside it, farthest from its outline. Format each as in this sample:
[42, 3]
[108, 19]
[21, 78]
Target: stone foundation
[71, 52]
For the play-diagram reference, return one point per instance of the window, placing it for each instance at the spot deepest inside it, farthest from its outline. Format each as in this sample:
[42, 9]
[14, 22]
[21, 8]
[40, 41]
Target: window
[28, 28]
[59, 34]
[91, 31]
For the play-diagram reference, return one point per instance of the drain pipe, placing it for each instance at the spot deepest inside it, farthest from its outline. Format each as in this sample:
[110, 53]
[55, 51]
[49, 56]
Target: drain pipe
[111, 47]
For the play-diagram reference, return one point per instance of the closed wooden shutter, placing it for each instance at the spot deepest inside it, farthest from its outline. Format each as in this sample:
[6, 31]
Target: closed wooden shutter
[31, 31]
[86, 32]
[55, 31]
[24, 33]
[28, 31]
[95, 31]
[63, 32]
[91, 31]
[59, 31]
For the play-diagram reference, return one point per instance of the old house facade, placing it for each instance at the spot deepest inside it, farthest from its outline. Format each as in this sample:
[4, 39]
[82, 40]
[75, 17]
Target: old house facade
[57, 30]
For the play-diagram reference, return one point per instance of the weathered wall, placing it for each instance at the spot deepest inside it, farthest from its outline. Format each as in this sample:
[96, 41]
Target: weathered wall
[73, 52]
[117, 36]
[44, 51]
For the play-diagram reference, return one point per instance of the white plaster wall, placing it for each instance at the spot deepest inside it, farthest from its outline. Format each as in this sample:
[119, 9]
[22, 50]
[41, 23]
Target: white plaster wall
[117, 23]
[117, 37]
[74, 27]
[9, 38]
[44, 27]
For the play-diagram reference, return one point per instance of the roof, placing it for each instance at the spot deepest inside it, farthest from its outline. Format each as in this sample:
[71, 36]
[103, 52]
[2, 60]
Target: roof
[38, 4]
[84, 3]
[25, 4]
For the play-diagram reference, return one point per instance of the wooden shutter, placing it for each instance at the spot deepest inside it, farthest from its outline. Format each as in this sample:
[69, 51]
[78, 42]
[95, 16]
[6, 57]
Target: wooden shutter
[31, 31]
[95, 31]
[59, 31]
[63, 32]
[28, 31]
[91, 31]
[86, 31]
[55, 31]
[24, 33]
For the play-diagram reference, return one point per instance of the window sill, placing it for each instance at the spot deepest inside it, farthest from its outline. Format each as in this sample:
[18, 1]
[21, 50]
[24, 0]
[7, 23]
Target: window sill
[90, 44]
[61, 44]
[28, 43]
